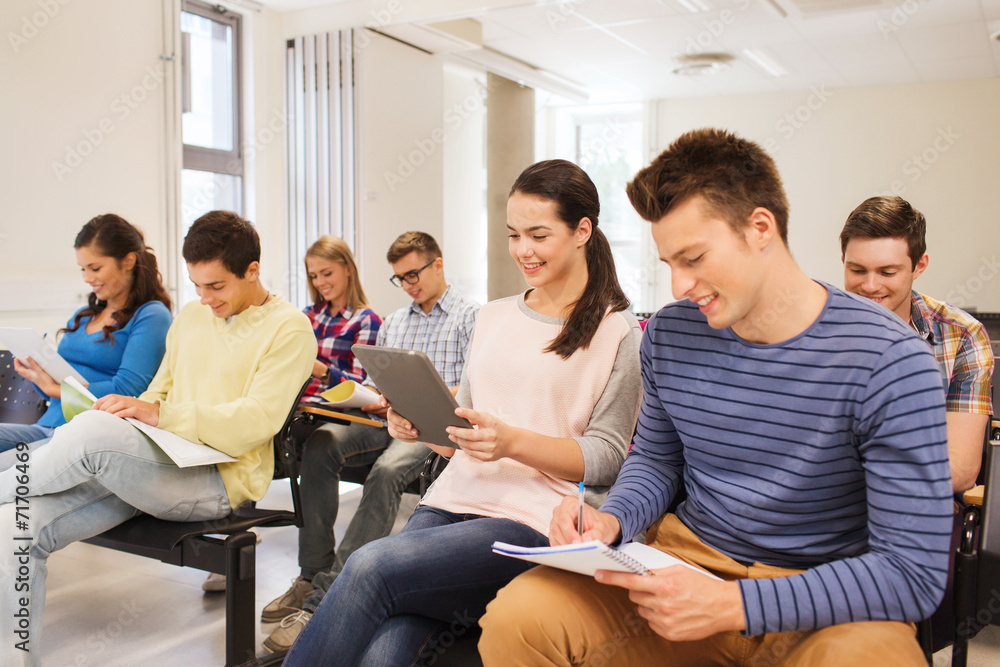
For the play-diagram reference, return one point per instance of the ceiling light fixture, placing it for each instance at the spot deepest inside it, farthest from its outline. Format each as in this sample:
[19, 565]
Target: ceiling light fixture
[775, 8]
[994, 28]
[702, 64]
[764, 62]
[693, 6]
[523, 73]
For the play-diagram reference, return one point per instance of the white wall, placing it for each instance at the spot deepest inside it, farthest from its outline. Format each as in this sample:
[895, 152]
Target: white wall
[87, 67]
[400, 116]
[87, 90]
[375, 14]
[266, 181]
[464, 182]
[84, 88]
[936, 145]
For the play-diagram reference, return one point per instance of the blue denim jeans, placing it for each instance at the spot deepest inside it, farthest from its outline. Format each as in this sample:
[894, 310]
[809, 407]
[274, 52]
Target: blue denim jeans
[398, 465]
[96, 472]
[9, 457]
[11, 434]
[397, 593]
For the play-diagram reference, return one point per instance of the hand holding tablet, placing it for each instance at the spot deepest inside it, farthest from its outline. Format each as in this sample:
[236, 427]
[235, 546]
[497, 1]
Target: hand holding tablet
[24, 343]
[414, 389]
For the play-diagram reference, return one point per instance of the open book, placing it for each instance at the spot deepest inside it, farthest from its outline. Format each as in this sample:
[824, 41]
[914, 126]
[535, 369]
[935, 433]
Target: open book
[76, 398]
[349, 394]
[589, 557]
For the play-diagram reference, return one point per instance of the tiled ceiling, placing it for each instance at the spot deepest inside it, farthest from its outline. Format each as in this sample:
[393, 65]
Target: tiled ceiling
[627, 49]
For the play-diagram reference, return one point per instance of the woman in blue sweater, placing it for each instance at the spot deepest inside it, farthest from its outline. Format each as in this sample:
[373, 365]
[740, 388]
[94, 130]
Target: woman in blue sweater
[117, 340]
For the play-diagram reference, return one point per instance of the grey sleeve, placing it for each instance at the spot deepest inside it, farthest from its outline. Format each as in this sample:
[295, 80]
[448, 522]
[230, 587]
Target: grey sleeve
[605, 441]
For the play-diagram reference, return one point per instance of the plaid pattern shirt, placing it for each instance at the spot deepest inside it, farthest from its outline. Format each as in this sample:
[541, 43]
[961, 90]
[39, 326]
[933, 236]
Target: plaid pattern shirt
[962, 349]
[443, 334]
[335, 334]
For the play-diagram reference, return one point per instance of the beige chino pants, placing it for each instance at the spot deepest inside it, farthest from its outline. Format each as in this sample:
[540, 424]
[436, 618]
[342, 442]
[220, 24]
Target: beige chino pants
[552, 617]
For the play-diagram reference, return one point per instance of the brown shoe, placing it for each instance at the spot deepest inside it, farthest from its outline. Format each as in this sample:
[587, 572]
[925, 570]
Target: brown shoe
[284, 635]
[288, 603]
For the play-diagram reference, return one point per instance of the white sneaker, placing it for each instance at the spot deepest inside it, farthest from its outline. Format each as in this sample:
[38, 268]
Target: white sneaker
[215, 583]
[284, 635]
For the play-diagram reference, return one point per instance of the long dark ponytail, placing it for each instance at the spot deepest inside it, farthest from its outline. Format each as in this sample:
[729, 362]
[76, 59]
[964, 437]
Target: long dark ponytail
[575, 196]
[113, 236]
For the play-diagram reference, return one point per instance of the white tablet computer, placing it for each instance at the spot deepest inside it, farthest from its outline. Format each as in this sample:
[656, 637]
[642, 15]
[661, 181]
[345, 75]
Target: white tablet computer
[24, 343]
[414, 389]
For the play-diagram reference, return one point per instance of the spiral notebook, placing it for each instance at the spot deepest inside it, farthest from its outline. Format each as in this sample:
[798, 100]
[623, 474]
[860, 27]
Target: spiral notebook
[588, 557]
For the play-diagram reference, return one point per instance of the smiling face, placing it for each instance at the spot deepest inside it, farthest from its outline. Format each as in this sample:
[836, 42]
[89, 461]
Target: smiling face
[222, 291]
[430, 284]
[710, 264]
[330, 279]
[109, 278]
[544, 247]
[881, 270]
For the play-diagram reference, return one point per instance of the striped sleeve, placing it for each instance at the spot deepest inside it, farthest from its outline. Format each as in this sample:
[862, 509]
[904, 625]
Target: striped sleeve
[651, 474]
[902, 441]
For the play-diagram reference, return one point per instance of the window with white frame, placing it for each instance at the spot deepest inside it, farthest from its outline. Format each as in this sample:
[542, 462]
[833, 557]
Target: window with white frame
[606, 141]
[211, 113]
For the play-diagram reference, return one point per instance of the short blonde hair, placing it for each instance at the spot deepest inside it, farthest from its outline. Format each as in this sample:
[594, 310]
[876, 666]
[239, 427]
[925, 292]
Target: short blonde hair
[336, 250]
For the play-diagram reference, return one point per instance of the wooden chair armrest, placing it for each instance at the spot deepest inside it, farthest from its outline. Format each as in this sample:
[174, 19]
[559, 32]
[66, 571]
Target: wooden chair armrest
[974, 496]
[339, 416]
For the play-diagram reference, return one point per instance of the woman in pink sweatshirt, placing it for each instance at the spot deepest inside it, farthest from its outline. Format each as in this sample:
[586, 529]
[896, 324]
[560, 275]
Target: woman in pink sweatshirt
[552, 385]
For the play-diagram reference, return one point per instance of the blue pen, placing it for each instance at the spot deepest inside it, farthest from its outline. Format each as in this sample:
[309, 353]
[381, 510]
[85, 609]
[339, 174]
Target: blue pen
[579, 521]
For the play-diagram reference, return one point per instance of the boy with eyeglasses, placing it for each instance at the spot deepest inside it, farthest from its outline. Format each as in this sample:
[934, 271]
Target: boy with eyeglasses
[439, 322]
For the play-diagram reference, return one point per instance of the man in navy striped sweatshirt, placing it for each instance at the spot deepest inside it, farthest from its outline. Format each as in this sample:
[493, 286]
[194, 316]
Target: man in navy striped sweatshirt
[807, 428]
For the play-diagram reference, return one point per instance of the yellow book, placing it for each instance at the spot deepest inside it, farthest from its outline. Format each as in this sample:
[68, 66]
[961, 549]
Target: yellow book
[349, 394]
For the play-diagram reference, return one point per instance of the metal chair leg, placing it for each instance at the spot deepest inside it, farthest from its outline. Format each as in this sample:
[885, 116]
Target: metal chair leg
[965, 589]
[241, 585]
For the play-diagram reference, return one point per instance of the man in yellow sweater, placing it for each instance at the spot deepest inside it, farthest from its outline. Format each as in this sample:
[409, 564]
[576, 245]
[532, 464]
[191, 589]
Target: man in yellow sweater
[233, 366]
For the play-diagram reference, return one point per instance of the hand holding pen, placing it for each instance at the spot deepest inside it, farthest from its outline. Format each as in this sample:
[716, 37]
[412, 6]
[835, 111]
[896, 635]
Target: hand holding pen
[573, 522]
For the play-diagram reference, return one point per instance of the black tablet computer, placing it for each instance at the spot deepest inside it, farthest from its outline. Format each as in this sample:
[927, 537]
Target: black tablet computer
[414, 389]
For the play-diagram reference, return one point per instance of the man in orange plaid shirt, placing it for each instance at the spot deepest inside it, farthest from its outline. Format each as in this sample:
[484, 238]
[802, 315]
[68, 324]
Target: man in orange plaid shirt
[883, 249]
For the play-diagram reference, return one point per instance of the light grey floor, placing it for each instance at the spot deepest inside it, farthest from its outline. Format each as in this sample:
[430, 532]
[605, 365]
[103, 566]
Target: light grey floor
[113, 609]
[109, 608]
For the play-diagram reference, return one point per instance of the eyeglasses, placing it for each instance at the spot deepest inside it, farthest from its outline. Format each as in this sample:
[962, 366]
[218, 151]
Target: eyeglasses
[410, 277]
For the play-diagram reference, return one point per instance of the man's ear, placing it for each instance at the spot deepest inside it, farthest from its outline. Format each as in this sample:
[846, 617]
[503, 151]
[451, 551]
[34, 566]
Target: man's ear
[253, 271]
[761, 228]
[921, 266]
